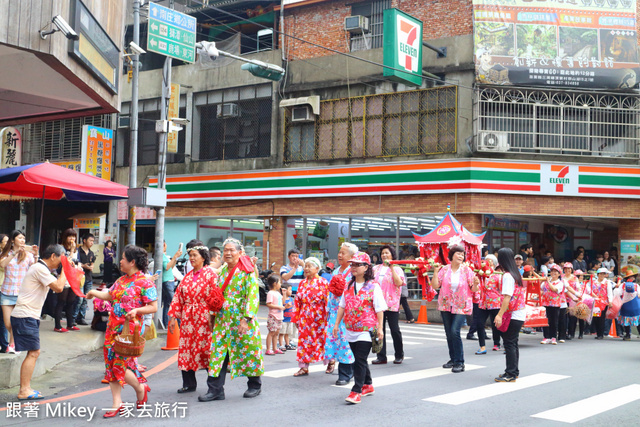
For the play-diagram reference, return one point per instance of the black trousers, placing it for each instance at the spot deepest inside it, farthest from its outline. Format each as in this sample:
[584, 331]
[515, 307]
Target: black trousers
[573, 322]
[598, 322]
[216, 384]
[66, 300]
[562, 324]
[189, 379]
[483, 315]
[361, 373]
[510, 338]
[391, 317]
[551, 331]
[407, 310]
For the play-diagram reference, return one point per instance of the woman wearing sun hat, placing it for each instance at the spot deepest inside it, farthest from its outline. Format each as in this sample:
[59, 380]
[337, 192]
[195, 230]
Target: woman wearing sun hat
[552, 292]
[569, 294]
[579, 287]
[630, 311]
[602, 291]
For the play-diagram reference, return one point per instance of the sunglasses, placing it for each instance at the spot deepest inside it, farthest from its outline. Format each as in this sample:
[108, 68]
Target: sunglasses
[357, 264]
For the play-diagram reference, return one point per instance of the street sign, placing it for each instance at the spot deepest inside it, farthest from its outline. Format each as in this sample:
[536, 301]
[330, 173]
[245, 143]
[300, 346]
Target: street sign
[171, 33]
[174, 111]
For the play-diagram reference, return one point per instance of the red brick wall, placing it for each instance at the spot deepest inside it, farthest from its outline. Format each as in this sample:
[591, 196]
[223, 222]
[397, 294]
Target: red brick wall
[323, 23]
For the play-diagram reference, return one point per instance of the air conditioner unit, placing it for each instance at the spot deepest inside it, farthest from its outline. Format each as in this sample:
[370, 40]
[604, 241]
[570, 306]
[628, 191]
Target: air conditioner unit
[356, 24]
[124, 122]
[302, 114]
[493, 141]
[228, 110]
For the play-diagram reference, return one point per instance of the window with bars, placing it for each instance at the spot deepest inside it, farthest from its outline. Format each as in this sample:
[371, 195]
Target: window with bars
[59, 139]
[374, 10]
[232, 123]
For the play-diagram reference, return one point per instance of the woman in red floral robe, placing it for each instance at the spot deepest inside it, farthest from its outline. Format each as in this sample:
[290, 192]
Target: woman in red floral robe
[311, 316]
[189, 305]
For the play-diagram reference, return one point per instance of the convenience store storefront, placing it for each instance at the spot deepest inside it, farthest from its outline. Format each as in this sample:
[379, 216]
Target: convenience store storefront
[374, 204]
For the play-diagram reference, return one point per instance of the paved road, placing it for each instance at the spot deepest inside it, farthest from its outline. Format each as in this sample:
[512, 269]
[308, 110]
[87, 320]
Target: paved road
[588, 382]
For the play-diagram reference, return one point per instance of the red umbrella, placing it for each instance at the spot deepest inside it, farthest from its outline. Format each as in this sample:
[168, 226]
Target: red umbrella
[52, 182]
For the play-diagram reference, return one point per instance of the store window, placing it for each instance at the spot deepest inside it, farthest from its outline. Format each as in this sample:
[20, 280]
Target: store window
[213, 232]
[374, 12]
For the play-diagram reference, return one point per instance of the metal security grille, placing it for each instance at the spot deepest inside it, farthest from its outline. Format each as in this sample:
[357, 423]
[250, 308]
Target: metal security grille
[548, 122]
[59, 139]
[396, 124]
[373, 10]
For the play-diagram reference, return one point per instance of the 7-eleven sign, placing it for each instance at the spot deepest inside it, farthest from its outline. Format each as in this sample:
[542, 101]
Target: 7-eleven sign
[402, 47]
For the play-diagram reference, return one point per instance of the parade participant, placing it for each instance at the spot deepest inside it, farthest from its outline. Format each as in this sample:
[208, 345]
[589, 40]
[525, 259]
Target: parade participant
[190, 307]
[551, 299]
[168, 280]
[570, 296]
[513, 304]
[236, 343]
[346, 252]
[131, 296]
[630, 311]
[490, 301]
[336, 346]
[456, 283]
[16, 258]
[25, 318]
[391, 279]
[67, 299]
[311, 316]
[361, 306]
[602, 291]
[578, 287]
[109, 254]
[87, 258]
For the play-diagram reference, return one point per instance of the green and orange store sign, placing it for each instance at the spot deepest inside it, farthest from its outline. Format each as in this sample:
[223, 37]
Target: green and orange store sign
[423, 177]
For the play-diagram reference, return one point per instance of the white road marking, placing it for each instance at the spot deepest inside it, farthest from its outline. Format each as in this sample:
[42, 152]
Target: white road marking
[495, 389]
[593, 405]
[421, 338]
[417, 332]
[317, 367]
[411, 376]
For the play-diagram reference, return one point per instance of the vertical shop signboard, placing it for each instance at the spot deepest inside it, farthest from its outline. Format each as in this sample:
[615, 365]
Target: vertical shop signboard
[11, 150]
[174, 111]
[402, 41]
[578, 44]
[97, 145]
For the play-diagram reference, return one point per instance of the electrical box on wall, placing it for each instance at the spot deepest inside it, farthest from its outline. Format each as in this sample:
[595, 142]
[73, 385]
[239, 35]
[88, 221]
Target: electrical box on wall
[149, 197]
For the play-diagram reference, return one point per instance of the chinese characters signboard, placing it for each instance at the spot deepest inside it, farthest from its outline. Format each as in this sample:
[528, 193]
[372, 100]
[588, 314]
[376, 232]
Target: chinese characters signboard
[75, 165]
[93, 223]
[11, 150]
[174, 111]
[402, 47]
[96, 151]
[171, 33]
[141, 212]
[575, 43]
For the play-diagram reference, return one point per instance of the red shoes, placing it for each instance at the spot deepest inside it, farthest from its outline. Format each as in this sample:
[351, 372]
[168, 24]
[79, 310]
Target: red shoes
[111, 414]
[367, 390]
[139, 403]
[60, 330]
[353, 398]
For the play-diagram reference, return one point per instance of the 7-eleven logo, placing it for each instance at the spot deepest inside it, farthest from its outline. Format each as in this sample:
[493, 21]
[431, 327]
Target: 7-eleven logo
[408, 44]
[561, 179]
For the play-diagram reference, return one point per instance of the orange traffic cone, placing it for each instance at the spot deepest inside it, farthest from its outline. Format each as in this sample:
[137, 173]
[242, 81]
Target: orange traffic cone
[173, 339]
[613, 333]
[422, 315]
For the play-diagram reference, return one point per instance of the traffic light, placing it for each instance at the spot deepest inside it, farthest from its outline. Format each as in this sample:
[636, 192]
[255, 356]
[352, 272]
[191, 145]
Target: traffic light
[264, 72]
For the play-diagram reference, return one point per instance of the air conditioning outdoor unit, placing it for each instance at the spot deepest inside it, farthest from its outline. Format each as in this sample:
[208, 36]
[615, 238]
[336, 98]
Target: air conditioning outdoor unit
[302, 114]
[356, 24]
[493, 141]
[228, 110]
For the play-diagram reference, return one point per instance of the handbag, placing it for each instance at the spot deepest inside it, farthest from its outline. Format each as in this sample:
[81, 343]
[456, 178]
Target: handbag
[376, 344]
[506, 319]
[616, 304]
[215, 298]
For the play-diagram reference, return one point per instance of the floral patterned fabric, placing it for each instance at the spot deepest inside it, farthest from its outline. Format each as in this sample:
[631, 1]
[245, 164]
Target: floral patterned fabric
[459, 302]
[390, 291]
[127, 293]
[550, 298]
[311, 318]
[359, 312]
[245, 351]
[189, 306]
[336, 348]
[491, 292]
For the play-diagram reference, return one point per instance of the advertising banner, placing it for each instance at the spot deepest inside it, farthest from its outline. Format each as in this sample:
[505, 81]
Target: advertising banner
[96, 151]
[630, 253]
[556, 43]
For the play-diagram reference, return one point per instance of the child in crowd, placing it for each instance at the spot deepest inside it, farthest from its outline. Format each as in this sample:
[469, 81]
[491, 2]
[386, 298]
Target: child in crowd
[288, 329]
[274, 320]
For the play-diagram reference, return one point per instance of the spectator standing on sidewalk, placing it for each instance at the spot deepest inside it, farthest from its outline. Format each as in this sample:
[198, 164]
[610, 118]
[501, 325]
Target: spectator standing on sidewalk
[168, 281]
[293, 273]
[66, 299]
[25, 318]
[87, 258]
[109, 253]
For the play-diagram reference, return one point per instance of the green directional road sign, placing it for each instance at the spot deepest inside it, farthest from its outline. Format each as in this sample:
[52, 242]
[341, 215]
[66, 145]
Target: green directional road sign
[171, 33]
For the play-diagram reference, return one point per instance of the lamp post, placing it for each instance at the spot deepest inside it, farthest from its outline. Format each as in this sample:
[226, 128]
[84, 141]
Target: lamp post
[133, 146]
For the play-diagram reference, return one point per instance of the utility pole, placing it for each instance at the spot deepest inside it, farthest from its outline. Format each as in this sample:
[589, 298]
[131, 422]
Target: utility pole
[133, 147]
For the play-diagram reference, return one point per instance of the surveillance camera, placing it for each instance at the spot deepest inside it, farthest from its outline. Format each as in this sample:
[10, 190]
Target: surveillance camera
[65, 28]
[179, 121]
[136, 49]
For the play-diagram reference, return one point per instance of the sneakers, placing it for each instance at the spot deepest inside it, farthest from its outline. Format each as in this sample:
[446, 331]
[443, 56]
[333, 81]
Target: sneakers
[60, 330]
[561, 341]
[458, 368]
[504, 378]
[12, 350]
[353, 398]
[546, 341]
[496, 347]
[448, 365]
[553, 341]
[367, 390]
[74, 328]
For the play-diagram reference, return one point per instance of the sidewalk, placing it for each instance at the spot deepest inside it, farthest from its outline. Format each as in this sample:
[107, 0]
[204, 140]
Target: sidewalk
[55, 348]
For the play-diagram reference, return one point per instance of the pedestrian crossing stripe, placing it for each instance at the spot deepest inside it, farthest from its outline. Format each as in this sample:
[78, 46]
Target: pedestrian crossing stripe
[404, 337]
[593, 405]
[495, 389]
[317, 367]
[440, 333]
[405, 377]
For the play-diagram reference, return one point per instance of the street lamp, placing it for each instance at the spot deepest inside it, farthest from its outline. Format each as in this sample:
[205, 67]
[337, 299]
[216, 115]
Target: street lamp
[255, 67]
